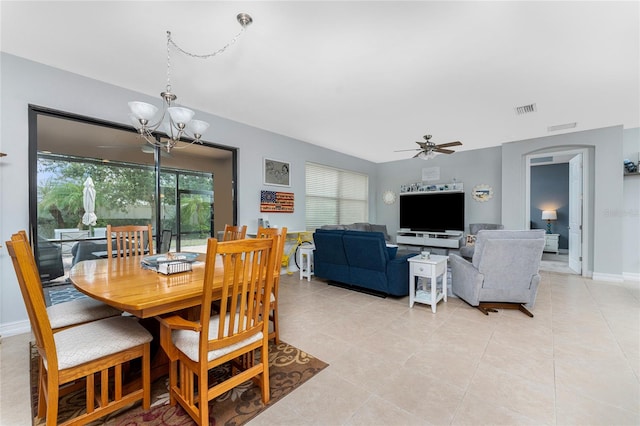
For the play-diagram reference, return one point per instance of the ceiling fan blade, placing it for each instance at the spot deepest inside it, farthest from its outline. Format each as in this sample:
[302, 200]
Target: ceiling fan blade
[443, 145]
[444, 151]
[404, 150]
[418, 154]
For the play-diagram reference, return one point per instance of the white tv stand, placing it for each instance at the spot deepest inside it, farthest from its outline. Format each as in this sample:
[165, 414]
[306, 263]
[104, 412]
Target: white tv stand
[447, 239]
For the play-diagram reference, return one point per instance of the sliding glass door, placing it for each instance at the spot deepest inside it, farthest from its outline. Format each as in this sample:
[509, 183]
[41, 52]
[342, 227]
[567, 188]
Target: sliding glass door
[133, 182]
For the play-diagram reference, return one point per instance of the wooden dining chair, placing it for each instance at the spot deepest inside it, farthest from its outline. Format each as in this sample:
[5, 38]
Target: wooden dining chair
[234, 334]
[280, 235]
[129, 240]
[73, 312]
[234, 232]
[89, 353]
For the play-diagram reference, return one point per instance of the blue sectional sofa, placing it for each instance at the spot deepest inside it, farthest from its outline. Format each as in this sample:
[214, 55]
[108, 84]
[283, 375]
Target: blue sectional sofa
[362, 260]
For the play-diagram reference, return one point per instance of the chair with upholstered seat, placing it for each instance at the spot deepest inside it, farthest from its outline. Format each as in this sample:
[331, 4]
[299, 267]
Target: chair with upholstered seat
[280, 234]
[234, 232]
[234, 334]
[93, 353]
[73, 312]
[503, 272]
[129, 240]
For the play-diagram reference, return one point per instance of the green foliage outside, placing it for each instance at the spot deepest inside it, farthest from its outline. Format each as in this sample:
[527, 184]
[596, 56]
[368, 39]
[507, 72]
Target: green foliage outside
[118, 188]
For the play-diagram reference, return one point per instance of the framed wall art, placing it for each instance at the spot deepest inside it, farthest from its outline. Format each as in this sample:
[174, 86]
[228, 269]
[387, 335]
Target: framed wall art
[482, 193]
[276, 172]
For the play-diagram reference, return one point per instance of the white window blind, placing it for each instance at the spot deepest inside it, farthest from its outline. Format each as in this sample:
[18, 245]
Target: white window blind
[335, 196]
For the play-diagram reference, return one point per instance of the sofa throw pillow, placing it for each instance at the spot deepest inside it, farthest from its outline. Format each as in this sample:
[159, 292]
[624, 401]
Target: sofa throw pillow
[471, 240]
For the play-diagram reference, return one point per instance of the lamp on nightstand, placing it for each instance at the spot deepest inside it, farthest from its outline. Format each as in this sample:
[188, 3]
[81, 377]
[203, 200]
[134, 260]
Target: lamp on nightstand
[549, 215]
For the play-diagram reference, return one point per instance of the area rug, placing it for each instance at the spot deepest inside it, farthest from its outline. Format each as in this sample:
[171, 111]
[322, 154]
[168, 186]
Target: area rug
[289, 367]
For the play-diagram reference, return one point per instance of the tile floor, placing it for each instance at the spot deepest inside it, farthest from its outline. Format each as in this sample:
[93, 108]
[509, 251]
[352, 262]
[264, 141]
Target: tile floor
[576, 363]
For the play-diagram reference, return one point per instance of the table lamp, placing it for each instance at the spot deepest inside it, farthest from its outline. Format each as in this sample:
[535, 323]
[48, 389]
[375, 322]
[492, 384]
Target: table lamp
[549, 215]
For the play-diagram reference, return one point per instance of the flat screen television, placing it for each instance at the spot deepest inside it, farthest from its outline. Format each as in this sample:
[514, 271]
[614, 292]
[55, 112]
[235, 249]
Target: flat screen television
[434, 211]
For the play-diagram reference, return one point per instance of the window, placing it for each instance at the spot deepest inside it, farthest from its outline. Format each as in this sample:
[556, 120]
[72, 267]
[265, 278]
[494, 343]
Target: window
[335, 196]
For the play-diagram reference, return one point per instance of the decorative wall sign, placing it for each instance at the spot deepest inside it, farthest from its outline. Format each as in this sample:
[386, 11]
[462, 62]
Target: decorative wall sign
[482, 193]
[277, 173]
[430, 174]
[276, 202]
[389, 197]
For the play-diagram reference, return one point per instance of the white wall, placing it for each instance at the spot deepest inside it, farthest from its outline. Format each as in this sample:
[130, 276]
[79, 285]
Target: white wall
[25, 82]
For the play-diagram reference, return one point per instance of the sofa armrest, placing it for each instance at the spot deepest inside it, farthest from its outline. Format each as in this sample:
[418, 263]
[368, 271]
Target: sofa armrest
[398, 275]
[466, 281]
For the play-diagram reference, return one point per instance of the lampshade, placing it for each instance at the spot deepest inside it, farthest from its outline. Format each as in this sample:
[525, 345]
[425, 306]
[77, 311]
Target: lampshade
[180, 115]
[549, 215]
[198, 126]
[143, 110]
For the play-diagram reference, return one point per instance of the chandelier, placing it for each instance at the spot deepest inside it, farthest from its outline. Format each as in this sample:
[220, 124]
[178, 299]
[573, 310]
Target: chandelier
[176, 122]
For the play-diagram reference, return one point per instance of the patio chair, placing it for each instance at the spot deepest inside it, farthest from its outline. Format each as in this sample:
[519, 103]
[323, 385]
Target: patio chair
[165, 241]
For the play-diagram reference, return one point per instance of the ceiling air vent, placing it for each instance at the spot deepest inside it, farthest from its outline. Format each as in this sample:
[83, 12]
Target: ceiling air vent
[526, 109]
[561, 127]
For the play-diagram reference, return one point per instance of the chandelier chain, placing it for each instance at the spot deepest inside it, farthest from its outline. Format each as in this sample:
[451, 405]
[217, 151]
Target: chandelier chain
[208, 55]
[168, 62]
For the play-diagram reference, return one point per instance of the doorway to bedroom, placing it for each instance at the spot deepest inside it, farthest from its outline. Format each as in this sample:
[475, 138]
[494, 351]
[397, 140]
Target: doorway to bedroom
[556, 197]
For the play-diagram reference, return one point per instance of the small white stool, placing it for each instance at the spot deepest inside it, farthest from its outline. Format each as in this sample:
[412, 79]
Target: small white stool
[305, 260]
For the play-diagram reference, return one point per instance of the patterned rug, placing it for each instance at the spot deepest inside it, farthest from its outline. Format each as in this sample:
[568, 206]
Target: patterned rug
[289, 368]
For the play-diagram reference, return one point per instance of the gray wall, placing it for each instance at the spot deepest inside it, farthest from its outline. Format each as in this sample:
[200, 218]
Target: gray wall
[25, 82]
[630, 214]
[470, 168]
[605, 196]
[550, 191]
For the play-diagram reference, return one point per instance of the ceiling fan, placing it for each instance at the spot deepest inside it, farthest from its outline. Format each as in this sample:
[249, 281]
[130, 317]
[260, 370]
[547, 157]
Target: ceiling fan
[429, 149]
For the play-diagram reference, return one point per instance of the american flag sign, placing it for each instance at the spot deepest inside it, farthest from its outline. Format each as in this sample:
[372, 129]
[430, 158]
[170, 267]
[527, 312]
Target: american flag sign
[276, 202]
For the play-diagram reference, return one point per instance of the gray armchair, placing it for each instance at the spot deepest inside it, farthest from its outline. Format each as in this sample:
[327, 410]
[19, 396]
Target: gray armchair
[467, 250]
[503, 272]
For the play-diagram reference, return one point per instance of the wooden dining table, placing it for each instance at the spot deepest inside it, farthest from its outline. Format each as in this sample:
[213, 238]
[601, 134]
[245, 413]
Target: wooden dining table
[124, 284]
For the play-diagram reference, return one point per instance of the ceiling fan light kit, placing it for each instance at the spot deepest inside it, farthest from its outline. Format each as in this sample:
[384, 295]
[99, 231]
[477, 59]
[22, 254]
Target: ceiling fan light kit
[179, 121]
[428, 149]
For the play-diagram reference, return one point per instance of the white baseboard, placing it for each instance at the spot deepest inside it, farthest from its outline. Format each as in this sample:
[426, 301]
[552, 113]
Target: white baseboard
[631, 276]
[614, 278]
[13, 328]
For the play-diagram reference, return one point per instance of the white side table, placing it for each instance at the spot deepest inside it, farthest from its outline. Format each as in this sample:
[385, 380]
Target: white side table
[431, 268]
[551, 242]
[305, 260]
